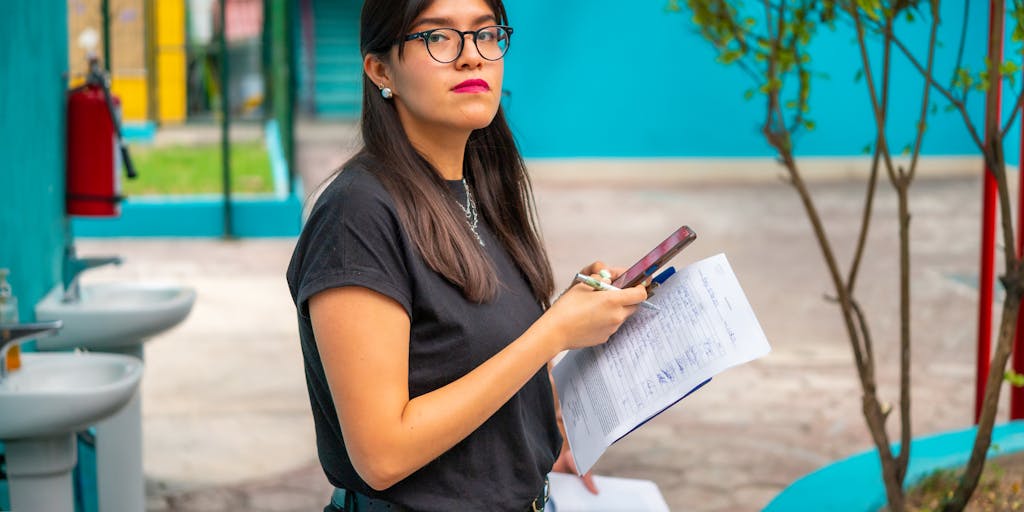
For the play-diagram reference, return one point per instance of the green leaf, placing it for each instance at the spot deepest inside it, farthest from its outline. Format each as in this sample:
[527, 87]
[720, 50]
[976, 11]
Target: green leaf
[981, 84]
[949, 108]
[934, 108]
[867, 149]
[858, 75]
[1015, 379]
[809, 125]
[749, 94]
[730, 56]
[772, 85]
[906, 150]
[791, 104]
[963, 79]
[869, 9]
[1009, 67]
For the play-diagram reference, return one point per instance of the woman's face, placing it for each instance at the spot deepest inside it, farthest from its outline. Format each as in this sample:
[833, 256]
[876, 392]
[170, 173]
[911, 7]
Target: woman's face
[460, 96]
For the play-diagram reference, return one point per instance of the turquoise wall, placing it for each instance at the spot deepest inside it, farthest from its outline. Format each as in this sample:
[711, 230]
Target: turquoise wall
[609, 78]
[33, 59]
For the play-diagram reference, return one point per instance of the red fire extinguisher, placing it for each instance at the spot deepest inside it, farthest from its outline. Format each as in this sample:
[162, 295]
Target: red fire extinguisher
[95, 149]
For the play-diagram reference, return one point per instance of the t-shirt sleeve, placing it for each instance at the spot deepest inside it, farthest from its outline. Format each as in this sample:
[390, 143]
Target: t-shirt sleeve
[353, 238]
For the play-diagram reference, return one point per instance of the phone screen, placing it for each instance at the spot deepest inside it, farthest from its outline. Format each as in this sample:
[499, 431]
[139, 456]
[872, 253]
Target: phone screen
[656, 258]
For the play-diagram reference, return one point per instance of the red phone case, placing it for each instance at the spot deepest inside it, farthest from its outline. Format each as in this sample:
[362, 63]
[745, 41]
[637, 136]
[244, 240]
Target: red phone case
[658, 256]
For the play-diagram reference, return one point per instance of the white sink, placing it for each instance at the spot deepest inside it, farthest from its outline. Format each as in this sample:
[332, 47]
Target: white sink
[55, 394]
[113, 315]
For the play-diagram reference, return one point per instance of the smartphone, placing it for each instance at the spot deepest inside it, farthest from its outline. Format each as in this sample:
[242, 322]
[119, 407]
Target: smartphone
[658, 256]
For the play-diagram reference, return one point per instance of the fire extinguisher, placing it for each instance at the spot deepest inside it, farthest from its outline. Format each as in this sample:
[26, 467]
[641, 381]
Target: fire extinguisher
[95, 148]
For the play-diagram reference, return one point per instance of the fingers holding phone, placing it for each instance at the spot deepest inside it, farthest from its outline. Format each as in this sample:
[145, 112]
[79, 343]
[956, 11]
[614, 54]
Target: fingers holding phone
[584, 316]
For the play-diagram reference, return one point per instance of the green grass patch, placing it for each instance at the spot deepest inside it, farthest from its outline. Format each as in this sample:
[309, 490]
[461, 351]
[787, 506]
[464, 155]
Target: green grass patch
[175, 170]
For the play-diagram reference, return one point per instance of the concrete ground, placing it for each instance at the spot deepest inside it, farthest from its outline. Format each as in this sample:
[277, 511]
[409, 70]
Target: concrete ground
[226, 415]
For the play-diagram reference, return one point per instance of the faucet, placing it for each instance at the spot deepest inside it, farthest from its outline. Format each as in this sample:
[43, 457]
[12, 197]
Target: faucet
[15, 334]
[73, 266]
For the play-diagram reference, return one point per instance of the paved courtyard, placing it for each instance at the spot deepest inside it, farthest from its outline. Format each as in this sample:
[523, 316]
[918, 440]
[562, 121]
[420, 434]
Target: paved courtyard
[226, 416]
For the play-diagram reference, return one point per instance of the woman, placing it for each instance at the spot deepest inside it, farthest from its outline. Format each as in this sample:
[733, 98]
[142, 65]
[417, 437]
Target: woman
[422, 287]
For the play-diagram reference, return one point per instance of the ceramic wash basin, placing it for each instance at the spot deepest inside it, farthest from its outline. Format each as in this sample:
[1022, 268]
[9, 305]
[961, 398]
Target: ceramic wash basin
[53, 394]
[114, 315]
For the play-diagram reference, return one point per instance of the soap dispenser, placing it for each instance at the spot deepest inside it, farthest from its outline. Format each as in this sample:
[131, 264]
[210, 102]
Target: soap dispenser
[9, 315]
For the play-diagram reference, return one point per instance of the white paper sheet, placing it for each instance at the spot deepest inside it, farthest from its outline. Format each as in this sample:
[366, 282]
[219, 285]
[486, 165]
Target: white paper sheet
[705, 326]
[567, 494]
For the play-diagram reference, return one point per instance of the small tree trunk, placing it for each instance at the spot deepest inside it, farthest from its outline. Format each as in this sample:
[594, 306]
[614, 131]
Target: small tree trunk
[902, 189]
[983, 438]
[892, 475]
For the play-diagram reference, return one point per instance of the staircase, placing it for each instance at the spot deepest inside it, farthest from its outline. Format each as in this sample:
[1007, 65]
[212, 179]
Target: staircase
[336, 88]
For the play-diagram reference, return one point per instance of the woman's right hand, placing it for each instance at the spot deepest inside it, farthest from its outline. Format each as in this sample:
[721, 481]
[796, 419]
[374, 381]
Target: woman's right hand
[584, 317]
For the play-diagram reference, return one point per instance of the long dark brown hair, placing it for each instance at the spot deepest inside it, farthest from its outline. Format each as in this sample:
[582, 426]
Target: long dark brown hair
[492, 166]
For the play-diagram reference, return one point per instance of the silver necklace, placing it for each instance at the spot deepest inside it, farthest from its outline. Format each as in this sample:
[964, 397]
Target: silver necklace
[471, 212]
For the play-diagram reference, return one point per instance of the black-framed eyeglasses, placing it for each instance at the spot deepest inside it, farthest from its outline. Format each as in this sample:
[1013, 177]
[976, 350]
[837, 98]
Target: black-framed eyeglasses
[446, 44]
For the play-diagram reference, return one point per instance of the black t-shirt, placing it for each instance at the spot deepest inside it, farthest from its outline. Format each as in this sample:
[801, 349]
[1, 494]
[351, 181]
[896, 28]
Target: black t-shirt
[354, 238]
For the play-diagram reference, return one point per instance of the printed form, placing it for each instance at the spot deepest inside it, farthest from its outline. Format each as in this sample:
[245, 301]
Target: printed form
[656, 358]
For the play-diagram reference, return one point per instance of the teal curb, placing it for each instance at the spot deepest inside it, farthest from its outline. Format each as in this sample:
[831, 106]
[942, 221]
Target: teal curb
[202, 216]
[139, 133]
[197, 216]
[278, 165]
[855, 483]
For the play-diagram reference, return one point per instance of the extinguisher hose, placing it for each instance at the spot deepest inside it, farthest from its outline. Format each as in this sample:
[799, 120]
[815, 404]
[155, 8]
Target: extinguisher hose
[99, 79]
[96, 199]
[129, 168]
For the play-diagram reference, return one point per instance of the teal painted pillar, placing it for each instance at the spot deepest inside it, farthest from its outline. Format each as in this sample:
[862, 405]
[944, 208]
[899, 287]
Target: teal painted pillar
[33, 61]
[280, 64]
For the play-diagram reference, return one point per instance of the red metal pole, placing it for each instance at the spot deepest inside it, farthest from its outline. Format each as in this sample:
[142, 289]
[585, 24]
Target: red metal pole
[988, 232]
[1017, 394]
[988, 236]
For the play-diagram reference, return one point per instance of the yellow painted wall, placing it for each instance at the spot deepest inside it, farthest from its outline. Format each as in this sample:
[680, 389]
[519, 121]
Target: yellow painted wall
[134, 97]
[127, 49]
[170, 60]
[132, 93]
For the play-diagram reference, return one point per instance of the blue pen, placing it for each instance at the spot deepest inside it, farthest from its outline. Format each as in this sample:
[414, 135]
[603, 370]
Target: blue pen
[601, 285]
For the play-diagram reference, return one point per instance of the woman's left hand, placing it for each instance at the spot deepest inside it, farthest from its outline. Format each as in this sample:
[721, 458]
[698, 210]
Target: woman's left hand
[565, 464]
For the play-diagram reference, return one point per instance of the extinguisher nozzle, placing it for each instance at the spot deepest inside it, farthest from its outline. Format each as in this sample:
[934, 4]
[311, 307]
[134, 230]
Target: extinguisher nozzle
[129, 168]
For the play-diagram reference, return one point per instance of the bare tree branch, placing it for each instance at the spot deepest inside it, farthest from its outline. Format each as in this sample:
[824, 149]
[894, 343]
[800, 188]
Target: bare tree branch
[1013, 115]
[923, 119]
[869, 200]
[993, 151]
[862, 323]
[960, 105]
[880, 121]
[963, 41]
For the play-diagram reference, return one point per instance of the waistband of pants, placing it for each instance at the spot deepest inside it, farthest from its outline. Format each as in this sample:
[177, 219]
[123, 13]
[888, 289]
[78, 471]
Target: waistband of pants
[344, 500]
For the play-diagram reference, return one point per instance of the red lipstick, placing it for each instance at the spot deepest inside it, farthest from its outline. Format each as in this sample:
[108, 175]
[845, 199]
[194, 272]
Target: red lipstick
[472, 85]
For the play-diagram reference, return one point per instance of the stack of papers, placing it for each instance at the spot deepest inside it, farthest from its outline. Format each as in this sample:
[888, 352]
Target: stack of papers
[705, 325]
[567, 494]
